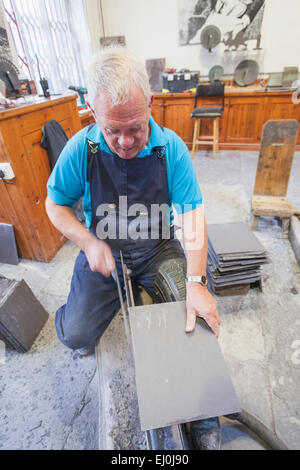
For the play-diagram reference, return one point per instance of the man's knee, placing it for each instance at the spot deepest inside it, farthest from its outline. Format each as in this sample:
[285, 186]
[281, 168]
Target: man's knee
[73, 332]
[77, 331]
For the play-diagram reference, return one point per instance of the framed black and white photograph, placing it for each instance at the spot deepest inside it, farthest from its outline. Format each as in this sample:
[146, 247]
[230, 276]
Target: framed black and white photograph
[239, 21]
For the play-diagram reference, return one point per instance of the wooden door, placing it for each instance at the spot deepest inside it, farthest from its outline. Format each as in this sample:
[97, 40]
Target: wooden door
[35, 192]
[157, 111]
[178, 117]
[244, 124]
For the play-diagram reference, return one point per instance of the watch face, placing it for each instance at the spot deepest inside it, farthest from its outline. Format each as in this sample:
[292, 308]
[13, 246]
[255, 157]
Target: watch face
[203, 280]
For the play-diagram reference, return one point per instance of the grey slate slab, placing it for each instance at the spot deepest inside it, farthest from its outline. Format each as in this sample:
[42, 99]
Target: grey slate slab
[232, 258]
[180, 377]
[214, 266]
[234, 237]
[21, 315]
[8, 247]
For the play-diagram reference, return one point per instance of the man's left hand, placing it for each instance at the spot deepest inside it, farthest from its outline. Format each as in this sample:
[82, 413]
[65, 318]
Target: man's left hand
[199, 302]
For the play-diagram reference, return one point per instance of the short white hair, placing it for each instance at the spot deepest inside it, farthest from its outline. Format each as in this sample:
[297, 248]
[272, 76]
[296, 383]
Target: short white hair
[114, 71]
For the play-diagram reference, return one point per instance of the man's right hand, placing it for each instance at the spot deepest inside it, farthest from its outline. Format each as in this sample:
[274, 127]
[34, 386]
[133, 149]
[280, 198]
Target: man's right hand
[100, 257]
[98, 253]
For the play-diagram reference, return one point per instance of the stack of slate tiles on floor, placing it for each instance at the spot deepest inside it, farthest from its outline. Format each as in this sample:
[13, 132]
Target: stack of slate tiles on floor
[22, 316]
[234, 258]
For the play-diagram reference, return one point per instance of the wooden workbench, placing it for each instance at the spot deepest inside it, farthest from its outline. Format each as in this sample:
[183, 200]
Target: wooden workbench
[245, 112]
[22, 203]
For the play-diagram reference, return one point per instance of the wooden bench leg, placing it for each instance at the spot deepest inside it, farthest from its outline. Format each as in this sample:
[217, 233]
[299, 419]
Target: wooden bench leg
[196, 135]
[215, 136]
[217, 133]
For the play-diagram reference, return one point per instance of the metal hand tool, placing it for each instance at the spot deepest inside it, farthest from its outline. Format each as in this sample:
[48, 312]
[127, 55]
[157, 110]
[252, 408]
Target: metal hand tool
[124, 313]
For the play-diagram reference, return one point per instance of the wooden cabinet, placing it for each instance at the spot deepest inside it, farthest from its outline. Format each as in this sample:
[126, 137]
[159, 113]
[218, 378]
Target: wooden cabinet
[22, 203]
[86, 118]
[243, 125]
[281, 107]
[245, 112]
[157, 113]
[177, 116]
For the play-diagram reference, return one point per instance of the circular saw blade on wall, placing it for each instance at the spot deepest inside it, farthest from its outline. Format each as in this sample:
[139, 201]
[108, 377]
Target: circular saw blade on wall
[246, 72]
[210, 37]
[215, 73]
[9, 76]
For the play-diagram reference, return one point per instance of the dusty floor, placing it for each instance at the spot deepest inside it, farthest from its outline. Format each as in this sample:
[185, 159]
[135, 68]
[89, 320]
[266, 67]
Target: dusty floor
[49, 396]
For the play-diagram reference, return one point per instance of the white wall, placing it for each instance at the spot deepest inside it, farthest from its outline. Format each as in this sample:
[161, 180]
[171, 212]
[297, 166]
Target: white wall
[151, 31]
[94, 19]
[281, 34]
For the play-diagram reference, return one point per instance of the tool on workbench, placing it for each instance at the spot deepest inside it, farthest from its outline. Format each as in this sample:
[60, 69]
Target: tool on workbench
[81, 92]
[43, 81]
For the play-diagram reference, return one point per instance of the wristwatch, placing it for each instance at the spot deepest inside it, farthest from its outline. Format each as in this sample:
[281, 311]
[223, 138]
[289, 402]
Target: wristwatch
[200, 279]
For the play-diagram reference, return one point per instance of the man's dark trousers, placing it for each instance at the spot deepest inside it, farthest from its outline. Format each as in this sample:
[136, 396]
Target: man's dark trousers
[93, 300]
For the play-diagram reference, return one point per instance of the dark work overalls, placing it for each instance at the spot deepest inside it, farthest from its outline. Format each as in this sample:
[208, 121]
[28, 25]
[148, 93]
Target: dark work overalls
[93, 300]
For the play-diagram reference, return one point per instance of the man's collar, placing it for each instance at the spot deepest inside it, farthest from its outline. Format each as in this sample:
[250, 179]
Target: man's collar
[157, 135]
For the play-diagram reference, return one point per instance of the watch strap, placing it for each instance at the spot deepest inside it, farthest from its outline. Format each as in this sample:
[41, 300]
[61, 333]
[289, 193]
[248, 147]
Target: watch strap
[200, 279]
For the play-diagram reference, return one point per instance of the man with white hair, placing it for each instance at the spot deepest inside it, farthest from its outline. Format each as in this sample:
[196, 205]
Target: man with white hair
[127, 161]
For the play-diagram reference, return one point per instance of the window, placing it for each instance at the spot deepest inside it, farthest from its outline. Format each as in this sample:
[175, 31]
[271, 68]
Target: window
[51, 39]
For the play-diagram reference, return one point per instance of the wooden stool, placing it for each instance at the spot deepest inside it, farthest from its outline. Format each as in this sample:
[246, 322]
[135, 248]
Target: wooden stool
[208, 139]
[213, 112]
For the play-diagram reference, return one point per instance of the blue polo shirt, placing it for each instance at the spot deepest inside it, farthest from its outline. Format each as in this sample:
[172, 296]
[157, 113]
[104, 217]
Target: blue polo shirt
[67, 182]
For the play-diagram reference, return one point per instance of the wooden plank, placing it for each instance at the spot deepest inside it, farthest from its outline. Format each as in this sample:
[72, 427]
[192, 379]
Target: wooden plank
[180, 377]
[276, 157]
[272, 206]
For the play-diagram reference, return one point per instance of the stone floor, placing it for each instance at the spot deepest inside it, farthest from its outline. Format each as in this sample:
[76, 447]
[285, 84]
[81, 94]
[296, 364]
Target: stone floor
[49, 396]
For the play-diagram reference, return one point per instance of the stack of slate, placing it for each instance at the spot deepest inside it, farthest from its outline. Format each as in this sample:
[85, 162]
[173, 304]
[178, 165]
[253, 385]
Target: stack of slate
[235, 256]
[21, 315]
